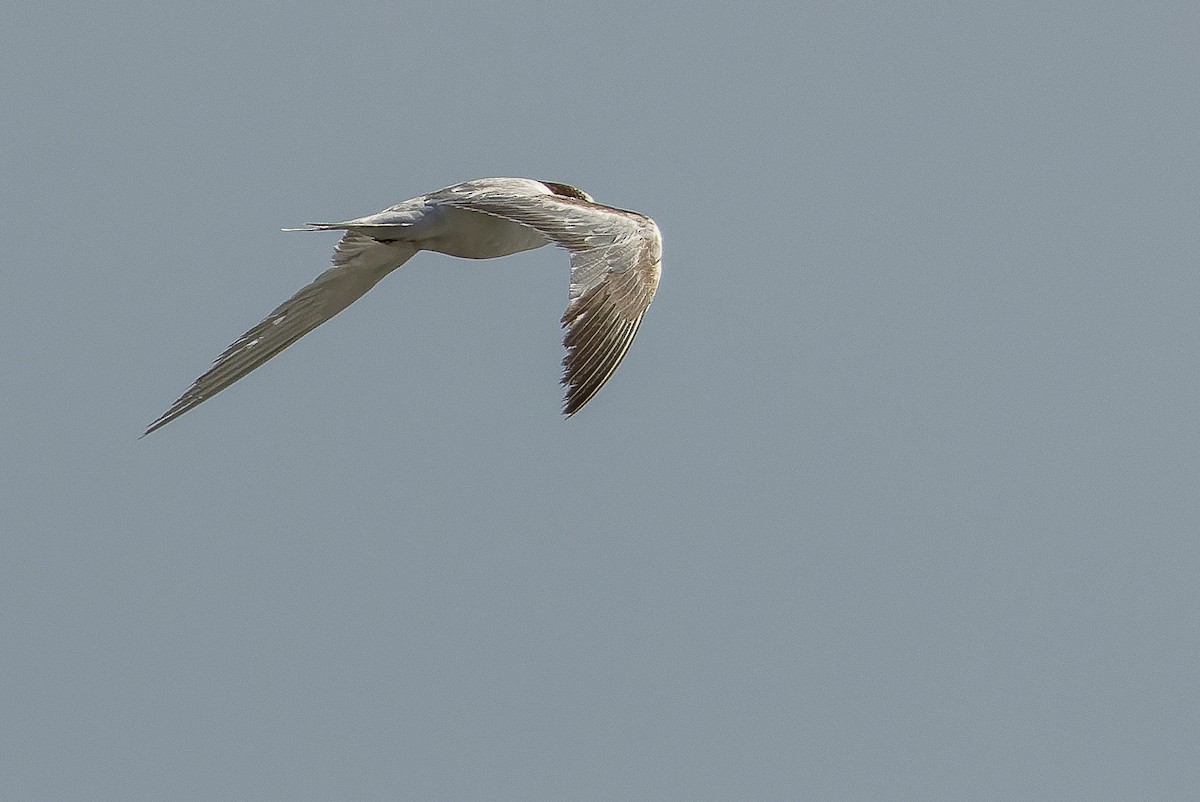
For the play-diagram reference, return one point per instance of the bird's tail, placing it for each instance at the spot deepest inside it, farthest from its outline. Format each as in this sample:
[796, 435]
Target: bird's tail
[318, 227]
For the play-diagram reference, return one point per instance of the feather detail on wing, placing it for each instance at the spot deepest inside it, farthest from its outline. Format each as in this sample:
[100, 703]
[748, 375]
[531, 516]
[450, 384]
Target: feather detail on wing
[616, 260]
[359, 262]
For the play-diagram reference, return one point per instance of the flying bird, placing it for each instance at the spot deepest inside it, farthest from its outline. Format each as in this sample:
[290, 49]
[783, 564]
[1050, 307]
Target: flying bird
[615, 266]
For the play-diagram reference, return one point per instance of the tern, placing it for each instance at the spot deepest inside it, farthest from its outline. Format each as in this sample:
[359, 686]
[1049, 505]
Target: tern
[615, 266]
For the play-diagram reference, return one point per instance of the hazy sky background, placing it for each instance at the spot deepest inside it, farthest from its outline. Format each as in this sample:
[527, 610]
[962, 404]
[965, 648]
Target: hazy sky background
[895, 496]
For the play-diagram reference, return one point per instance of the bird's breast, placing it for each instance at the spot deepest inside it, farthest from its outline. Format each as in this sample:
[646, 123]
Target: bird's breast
[474, 235]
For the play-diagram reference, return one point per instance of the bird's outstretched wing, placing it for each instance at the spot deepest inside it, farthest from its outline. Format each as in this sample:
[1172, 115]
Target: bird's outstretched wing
[359, 262]
[615, 267]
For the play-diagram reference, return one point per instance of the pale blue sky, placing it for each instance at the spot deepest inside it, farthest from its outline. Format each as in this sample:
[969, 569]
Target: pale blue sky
[895, 496]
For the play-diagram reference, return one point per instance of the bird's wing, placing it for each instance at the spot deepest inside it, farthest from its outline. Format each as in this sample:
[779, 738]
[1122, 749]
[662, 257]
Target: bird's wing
[359, 262]
[615, 268]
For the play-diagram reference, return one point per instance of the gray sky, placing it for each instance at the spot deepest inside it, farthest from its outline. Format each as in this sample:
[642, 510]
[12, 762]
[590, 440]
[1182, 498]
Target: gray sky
[895, 496]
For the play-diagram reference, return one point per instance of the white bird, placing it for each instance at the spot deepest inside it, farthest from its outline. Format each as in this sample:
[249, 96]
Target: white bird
[615, 267]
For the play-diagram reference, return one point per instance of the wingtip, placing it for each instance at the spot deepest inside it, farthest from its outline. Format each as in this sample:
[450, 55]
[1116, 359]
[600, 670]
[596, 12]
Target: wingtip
[572, 403]
[171, 414]
[158, 424]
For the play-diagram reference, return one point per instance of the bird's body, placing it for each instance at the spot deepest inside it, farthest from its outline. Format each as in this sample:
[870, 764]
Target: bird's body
[615, 266]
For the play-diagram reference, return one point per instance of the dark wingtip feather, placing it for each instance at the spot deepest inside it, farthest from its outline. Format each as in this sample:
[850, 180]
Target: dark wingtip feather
[598, 337]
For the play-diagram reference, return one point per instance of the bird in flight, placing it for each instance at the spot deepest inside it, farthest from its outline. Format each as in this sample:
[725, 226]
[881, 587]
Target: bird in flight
[615, 266]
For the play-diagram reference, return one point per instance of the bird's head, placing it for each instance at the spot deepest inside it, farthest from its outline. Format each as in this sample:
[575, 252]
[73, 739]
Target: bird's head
[568, 191]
